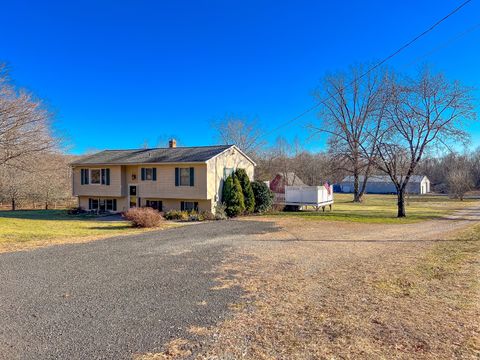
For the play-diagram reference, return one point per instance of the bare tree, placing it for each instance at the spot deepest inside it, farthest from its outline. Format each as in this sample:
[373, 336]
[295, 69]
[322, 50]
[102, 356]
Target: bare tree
[459, 182]
[243, 132]
[24, 123]
[423, 112]
[352, 107]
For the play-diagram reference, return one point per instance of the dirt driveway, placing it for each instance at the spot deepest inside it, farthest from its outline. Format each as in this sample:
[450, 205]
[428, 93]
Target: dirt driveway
[323, 290]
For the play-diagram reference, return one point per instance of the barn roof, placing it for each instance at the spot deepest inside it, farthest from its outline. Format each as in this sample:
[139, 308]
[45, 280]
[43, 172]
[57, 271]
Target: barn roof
[292, 179]
[383, 179]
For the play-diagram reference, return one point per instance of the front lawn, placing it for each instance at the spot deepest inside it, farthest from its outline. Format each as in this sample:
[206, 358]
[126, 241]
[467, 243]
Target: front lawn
[383, 209]
[28, 228]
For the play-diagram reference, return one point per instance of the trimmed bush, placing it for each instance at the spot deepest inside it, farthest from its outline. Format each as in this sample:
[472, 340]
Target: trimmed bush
[176, 215]
[247, 191]
[263, 196]
[233, 197]
[143, 217]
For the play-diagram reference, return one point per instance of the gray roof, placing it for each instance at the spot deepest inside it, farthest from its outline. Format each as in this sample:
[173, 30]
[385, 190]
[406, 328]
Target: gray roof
[382, 178]
[156, 155]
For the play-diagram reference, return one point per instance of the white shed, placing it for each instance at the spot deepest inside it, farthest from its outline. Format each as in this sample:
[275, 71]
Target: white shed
[382, 184]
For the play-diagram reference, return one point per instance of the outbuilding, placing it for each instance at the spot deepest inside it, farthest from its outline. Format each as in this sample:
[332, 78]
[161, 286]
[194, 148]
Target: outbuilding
[382, 184]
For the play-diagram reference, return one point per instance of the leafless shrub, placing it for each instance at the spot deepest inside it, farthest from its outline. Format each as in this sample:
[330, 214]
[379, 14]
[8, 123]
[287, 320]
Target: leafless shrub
[144, 217]
[459, 182]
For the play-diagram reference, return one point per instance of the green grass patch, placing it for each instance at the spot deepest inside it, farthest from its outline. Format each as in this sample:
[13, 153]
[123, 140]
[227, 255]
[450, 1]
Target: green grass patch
[383, 209]
[40, 225]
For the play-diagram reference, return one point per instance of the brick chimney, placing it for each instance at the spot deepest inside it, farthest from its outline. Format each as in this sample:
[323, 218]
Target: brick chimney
[172, 143]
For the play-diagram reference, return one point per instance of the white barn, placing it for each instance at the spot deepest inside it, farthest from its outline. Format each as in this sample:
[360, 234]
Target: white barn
[382, 184]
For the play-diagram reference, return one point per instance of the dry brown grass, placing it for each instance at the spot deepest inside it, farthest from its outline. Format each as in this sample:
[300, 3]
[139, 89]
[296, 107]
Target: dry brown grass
[173, 350]
[339, 299]
[369, 291]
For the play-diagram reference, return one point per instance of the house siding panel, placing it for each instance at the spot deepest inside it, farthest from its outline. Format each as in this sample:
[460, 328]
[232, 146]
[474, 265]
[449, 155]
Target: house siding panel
[231, 158]
[164, 186]
[114, 189]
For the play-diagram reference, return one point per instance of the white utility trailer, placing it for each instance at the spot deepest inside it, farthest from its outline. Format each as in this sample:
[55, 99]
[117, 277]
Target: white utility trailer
[298, 197]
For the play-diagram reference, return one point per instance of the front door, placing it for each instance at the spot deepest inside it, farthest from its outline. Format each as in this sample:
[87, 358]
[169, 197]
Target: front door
[132, 195]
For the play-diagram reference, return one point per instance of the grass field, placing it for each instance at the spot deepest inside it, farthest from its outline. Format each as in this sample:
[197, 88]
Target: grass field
[26, 228]
[383, 209]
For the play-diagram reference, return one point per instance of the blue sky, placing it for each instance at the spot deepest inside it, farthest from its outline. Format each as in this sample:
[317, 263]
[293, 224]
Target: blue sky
[119, 73]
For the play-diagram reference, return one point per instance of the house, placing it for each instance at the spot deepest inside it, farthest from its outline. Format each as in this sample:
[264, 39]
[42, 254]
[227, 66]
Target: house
[382, 184]
[180, 178]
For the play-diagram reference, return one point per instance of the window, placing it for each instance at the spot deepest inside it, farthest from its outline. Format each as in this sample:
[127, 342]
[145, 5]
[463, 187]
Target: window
[148, 174]
[111, 204]
[154, 204]
[102, 204]
[93, 204]
[95, 176]
[189, 206]
[184, 176]
[84, 178]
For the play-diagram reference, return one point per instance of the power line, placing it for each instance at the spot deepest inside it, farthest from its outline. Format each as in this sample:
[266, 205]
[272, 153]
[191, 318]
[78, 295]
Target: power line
[444, 45]
[377, 65]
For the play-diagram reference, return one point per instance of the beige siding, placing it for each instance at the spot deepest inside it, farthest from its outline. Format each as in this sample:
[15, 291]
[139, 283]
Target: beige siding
[231, 158]
[114, 189]
[165, 187]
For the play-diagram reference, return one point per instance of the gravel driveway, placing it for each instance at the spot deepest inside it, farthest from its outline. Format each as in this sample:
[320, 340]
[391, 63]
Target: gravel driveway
[113, 298]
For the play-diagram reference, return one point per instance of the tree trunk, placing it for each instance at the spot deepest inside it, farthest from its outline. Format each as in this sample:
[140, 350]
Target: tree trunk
[356, 188]
[46, 205]
[13, 205]
[401, 204]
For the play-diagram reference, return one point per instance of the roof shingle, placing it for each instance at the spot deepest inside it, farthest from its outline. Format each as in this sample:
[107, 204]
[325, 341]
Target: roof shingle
[156, 155]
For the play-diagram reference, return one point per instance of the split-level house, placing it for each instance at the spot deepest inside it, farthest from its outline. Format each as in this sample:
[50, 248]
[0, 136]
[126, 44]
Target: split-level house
[180, 178]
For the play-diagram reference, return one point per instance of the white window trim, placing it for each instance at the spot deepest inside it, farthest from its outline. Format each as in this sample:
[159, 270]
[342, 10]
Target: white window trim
[90, 176]
[151, 169]
[180, 176]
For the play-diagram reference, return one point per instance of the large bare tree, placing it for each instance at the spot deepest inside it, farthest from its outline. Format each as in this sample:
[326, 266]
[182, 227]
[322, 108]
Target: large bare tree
[352, 105]
[423, 112]
[243, 132]
[24, 123]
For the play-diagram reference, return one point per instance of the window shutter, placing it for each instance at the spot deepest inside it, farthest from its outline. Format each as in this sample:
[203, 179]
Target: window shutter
[87, 176]
[107, 177]
[89, 203]
[142, 171]
[177, 176]
[182, 205]
[195, 205]
[82, 176]
[102, 181]
[154, 174]
[192, 176]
